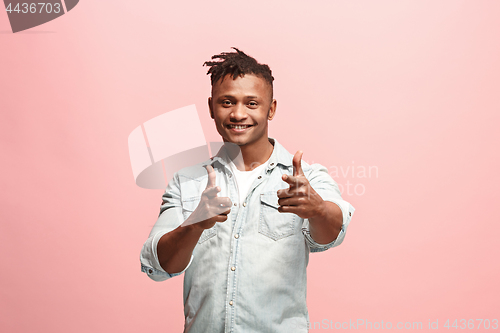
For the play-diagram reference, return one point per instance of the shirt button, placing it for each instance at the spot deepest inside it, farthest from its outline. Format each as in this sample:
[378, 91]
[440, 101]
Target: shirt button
[230, 175]
[271, 164]
[244, 204]
[349, 213]
[235, 204]
[230, 302]
[236, 236]
[233, 268]
[150, 271]
[259, 177]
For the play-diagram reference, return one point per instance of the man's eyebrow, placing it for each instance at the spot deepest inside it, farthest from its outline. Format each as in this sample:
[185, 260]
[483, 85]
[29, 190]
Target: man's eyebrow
[231, 96]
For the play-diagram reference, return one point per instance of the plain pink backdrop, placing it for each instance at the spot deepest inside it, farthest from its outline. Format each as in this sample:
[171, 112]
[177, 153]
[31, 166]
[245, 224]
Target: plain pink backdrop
[410, 88]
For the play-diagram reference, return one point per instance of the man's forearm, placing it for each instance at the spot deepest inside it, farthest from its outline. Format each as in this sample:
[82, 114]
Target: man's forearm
[325, 228]
[176, 247]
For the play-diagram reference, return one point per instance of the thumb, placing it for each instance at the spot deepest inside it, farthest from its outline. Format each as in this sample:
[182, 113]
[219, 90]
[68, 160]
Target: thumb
[211, 176]
[297, 163]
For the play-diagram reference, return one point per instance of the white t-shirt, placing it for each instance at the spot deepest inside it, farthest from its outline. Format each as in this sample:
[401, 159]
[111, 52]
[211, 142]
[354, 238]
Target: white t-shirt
[244, 179]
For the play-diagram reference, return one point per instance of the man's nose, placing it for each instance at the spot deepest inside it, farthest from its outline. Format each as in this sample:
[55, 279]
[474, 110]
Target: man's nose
[239, 111]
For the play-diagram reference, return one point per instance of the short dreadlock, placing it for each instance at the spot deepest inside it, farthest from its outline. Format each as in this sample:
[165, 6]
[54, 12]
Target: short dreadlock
[237, 64]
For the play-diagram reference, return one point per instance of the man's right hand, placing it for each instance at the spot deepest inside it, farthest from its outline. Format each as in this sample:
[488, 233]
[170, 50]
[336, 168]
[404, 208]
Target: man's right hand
[211, 208]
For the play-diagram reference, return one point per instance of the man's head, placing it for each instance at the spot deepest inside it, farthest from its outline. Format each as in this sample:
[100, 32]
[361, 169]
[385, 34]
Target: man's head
[242, 98]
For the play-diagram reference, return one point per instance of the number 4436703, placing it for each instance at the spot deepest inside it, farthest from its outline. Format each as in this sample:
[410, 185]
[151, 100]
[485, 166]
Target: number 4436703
[34, 8]
[472, 324]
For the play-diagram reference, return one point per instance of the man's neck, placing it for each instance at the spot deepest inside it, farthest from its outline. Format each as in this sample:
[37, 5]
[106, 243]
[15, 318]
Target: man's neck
[248, 157]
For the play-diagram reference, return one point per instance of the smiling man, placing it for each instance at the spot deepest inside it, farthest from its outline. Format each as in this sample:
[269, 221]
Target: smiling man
[242, 224]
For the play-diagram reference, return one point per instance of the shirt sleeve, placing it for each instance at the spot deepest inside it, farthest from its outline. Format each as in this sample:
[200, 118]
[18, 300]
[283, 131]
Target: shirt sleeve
[328, 189]
[169, 219]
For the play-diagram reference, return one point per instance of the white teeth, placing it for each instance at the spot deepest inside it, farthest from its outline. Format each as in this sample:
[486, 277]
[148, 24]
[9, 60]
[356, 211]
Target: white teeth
[238, 126]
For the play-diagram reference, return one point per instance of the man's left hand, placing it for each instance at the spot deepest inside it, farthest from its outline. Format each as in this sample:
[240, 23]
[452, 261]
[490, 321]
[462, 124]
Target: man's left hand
[300, 198]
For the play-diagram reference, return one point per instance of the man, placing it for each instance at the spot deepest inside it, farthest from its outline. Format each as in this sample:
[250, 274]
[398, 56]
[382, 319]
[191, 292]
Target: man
[241, 225]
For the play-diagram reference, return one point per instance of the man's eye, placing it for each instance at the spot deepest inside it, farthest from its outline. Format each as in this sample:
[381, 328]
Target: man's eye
[252, 103]
[226, 102]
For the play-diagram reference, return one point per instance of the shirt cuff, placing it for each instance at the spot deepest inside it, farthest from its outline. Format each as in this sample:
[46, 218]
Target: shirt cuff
[150, 263]
[347, 212]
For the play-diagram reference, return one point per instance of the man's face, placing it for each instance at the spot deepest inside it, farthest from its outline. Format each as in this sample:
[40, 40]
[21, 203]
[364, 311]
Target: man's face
[241, 109]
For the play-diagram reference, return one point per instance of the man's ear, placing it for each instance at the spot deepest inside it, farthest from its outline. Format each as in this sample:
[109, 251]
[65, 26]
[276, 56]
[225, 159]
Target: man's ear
[210, 107]
[272, 110]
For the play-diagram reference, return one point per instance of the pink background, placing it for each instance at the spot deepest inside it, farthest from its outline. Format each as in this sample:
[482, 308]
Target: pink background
[409, 87]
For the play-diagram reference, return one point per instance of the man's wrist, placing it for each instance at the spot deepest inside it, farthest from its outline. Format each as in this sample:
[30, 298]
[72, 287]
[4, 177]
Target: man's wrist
[326, 227]
[321, 213]
[194, 227]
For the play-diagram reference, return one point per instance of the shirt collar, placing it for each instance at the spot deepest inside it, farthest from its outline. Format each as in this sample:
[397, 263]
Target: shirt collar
[279, 156]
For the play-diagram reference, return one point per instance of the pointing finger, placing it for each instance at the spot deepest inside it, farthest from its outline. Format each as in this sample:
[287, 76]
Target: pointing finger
[297, 163]
[294, 181]
[290, 192]
[211, 176]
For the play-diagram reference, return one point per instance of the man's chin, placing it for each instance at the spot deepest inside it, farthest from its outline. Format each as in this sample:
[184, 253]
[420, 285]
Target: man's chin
[234, 142]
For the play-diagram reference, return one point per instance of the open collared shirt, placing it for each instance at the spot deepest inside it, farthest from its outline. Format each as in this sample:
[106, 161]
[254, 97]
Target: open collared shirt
[247, 274]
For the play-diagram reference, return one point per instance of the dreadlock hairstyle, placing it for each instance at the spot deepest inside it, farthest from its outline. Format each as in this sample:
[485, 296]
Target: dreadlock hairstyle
[237, 64]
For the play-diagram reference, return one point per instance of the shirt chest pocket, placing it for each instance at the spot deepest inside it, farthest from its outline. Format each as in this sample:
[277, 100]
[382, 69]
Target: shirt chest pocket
[272, 223]
[188, 207]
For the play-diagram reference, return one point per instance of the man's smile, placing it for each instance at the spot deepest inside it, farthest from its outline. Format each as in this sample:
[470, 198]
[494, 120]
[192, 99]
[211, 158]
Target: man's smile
[238, 128]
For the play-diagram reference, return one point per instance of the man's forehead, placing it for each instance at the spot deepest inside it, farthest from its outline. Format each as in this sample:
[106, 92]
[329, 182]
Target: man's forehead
[247, 81]
[252, 76]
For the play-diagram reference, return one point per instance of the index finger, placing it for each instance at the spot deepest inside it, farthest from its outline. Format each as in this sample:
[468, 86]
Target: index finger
[211, 176]
[294, 181]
